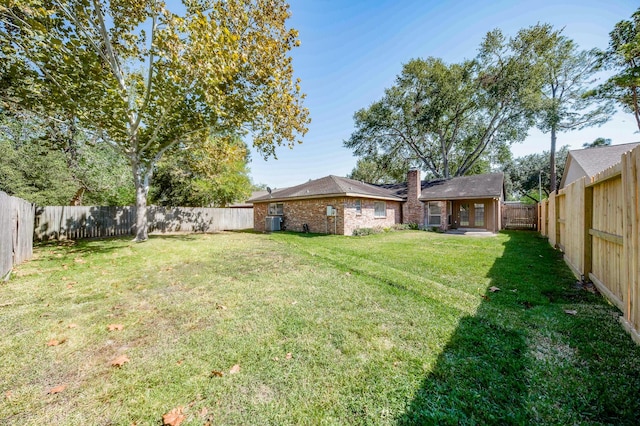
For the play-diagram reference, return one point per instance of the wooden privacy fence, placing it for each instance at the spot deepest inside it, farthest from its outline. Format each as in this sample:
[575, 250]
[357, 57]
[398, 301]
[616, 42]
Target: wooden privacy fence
[519, 216]
[16, 232]
[77, 222]
[596, 223]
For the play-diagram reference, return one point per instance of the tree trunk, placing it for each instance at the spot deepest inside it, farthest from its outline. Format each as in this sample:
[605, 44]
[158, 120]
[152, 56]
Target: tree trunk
[552, 161]
[141, 181]
[77, 197]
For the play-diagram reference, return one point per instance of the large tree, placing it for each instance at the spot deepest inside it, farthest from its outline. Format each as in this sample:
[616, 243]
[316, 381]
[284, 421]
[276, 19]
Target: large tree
[568, 74]
[214, 174]
[525, 176]
[149, 80]
[49, 164]
[448, 118]
[623, 55]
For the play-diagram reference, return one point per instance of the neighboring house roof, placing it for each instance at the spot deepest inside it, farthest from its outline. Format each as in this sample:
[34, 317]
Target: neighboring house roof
[591, 161]
[400, 189]
[329, 186]
[488, 185]
[254, 194]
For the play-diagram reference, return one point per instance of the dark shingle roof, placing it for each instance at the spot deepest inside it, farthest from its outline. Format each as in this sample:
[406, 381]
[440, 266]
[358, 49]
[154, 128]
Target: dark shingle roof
[488, 185]
[327, 187]
[595, 160]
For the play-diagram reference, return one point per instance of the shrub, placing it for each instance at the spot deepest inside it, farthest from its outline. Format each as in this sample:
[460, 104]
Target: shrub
[361, 232]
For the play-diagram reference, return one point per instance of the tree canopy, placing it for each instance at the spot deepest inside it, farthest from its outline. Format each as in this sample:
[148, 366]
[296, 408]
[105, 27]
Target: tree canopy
[623, 56]
[449, 118]
[567, 78]
[50, 164]
[523, 174]
[212, 175]
[149, 81]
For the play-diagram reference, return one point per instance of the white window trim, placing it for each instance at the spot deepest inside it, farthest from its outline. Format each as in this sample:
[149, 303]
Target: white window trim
[278, 212]
[375, 213]
[431, 215]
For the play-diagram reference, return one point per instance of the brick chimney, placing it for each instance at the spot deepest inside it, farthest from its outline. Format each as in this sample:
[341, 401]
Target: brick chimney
[413, 208]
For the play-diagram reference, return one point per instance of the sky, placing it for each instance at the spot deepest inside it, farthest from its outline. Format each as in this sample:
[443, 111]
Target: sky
[351, 50]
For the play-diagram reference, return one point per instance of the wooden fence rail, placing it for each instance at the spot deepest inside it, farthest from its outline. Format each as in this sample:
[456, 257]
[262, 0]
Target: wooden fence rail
[596, 223]
[77, 222]
[16, 232]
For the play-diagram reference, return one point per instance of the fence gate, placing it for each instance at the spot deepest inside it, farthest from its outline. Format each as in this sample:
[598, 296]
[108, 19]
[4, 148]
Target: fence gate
[519, 216]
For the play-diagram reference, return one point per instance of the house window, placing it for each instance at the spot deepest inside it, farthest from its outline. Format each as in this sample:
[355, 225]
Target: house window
[479, 214]
[379, 209]
[358, 207]
[435, 213]
[464, 214]
[275, 209]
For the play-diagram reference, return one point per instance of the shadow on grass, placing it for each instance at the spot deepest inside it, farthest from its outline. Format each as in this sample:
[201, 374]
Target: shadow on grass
[501, 365]
[109, 244]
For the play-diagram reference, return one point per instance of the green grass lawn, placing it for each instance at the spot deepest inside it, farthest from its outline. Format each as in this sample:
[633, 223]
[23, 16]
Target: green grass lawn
[399, 328]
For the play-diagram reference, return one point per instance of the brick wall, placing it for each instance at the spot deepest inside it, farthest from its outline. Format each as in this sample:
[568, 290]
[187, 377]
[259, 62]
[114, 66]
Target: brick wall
[259, 215]
[313, 212]
[366, 218]
[413, 210]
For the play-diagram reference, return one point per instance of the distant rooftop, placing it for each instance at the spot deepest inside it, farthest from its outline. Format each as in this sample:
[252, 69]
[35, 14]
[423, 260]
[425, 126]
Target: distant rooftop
[489, 185]
[591, 161]
[328, 186]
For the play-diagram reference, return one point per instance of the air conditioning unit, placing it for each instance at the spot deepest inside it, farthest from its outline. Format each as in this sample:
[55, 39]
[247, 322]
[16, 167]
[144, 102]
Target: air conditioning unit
[273, 223]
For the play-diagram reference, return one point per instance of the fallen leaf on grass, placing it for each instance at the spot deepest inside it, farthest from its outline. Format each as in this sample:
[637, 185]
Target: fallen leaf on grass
[8, 394]
[289, 355]
[115, 327]
[216, 373]
[235, 369]
[173, 417]
[204, 412]
[79, 260]
[120, 361]
[493, 289]
[485, 297]
[55, 342]
[72, 326]
[219, 306]
[57, 389]
[570, 311]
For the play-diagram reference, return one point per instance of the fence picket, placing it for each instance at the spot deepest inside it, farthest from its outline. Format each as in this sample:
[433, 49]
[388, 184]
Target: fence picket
[76, 222]
[596, 222]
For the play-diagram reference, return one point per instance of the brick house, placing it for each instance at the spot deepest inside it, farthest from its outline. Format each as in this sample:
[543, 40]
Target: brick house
[337, 205]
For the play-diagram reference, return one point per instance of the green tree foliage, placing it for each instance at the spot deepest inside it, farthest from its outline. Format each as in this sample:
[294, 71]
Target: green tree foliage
[523, 173]
[623, 55]
[378, 170]
[597, 142]
[45, 164]
[568, 75]
[151, 81]
[214, 174]
[448, 118]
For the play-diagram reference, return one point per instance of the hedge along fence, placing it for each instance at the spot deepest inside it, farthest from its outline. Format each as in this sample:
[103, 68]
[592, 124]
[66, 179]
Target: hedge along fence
[78, 222]
[16, 232]
[596, 223]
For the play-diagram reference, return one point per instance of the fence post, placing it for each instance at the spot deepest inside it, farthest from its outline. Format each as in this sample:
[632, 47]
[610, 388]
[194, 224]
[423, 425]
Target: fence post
[631, 229]
[587, 250]
[557, 219]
